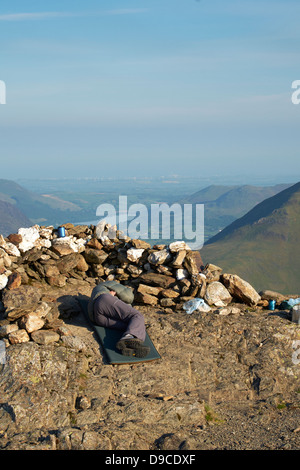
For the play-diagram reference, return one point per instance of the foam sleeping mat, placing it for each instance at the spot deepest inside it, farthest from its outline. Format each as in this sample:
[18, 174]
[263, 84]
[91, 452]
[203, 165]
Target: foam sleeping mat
[108, 338]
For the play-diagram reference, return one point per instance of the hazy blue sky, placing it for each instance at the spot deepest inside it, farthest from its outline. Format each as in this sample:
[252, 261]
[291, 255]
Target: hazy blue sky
[156, 87]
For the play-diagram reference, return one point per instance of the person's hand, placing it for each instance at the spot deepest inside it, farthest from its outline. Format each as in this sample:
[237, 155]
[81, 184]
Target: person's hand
[112, 292]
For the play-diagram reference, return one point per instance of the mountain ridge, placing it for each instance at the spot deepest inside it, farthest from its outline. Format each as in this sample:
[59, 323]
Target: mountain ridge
[263, 245]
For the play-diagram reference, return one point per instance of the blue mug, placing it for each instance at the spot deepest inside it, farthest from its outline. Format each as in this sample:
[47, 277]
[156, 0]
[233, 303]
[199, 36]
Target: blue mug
[61, 232]
[272, 304]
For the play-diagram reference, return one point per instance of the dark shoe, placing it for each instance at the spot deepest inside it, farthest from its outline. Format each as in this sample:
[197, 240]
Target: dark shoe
[139, 351]
[127, 351]
[128, 343]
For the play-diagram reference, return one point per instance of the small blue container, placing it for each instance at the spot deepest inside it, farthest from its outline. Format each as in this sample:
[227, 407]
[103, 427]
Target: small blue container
[272, 304]
[61, 232]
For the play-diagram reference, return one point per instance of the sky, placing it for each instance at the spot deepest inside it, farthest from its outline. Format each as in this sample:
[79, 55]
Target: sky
[97, 88]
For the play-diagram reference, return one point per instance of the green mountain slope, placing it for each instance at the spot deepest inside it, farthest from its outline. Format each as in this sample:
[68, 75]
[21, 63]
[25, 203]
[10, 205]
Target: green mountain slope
[263, 246]
[41, 209]
[11, 219]
[224, 204]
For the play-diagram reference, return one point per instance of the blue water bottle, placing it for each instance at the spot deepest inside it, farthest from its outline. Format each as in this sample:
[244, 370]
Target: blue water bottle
[272, 304]
[61, 232]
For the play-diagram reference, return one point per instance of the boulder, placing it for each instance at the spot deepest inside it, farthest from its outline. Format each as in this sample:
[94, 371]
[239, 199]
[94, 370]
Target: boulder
[217, 294]
[240, 289]
[21, 297]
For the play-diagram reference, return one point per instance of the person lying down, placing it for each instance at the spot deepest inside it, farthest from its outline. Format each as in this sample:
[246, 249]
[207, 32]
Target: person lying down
[110, 311]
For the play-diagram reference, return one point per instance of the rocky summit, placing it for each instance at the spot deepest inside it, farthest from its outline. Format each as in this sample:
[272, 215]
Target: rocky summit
[228, 376]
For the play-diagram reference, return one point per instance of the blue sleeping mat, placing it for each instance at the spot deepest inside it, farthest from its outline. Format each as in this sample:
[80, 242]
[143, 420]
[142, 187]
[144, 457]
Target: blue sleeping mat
[109, 337]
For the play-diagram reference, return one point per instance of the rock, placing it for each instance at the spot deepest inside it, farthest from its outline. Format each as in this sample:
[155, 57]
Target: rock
[3, 281]
[228, 310]
[40, 309]
[140, 244]
[95, 256]
[240, 289]
[45, 336]
[57, 281]
[18, 336]
[29, 237]
[9, 247]
[73, 342]
[51, 270]
[31, 322]
[46, 232]
[100, 229]
[94, 243]
[98, 270]
[81, 265]
[271, 295]
[144, 289]
[179, 259]
[181, 274]
[134, 254]
[161, 269]
[169, 293]
[71, 261]
[67, 245]
[167, 302]
[133, 270]
[21, 297]
[193, 262]
[217, 294]
[62, 249]
[6, 329]
[185, 285]
[159, 257]
[14, 281]
[212, 272]
[5, 260]
[158, 280]
[177, 246]
[15, 238]
[78, 229]
[146, 299]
